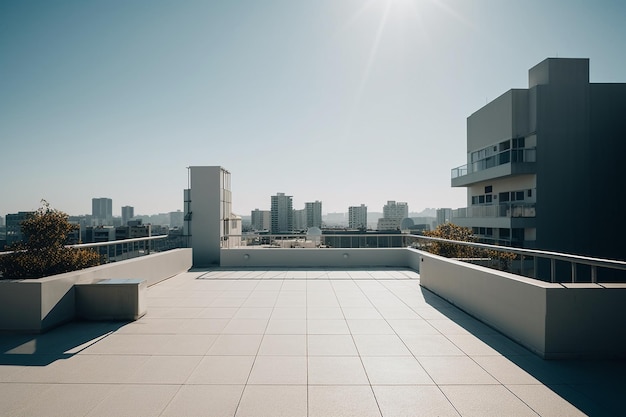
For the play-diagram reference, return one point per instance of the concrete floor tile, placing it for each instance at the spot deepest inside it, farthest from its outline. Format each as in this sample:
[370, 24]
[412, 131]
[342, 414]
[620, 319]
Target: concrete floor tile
[236, 344]
[547, 403]
[395, 370]
[273, 401]
[412, 326]
[380, 345]
[286, 326]
[205, 400]
[506, 371]
[327, 326]
[413, 401]
[135, 400]
[486, 401]
[187, 344]
[78, 400]
[245, 326]
[369, 327]
[331, 345]
[165, 370]
[279, 370]
[336, 370]
[431, 345]
[345, 401]
[222, 370]
[459, 370]
[278, 345]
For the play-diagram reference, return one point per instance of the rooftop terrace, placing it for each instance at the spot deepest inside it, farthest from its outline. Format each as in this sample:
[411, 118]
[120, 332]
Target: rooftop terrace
[296, 342]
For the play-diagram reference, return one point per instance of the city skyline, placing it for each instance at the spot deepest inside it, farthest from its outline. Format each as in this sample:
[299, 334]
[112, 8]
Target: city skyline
[346, 102]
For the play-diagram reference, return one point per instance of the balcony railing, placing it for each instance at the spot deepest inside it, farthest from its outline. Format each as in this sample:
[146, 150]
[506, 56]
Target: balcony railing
[362, 240]
[505, 157]
[496, 210]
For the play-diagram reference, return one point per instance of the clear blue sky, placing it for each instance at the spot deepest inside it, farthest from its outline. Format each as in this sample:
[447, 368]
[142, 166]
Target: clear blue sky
[342, 101]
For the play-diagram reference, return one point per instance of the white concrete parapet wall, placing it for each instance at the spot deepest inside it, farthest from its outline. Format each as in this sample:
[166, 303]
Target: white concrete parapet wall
[552, 320]
[36, 305]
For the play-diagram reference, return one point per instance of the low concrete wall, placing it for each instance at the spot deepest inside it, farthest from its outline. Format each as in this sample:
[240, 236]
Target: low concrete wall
[552, 320]
[309, 257]
[36, 305]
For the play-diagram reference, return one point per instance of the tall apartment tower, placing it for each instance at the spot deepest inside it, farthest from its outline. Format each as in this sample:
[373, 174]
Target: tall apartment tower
[357, 217]
[281, 213]
[102, 211]
[444, 215]
[128, 212]
[313, 214]
[260, 219]
[393, 213]
[543, 164]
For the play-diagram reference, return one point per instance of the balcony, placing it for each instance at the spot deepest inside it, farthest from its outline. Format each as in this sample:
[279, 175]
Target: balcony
[348, 339]
[502, 164]
[507, 210]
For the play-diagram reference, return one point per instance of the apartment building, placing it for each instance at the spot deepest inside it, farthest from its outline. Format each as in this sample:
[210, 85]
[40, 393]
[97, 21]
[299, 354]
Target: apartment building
[543, 163]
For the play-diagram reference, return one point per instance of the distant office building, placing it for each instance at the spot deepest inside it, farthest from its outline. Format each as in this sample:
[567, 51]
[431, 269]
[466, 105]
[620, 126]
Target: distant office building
[1, 221]
[542, 161]
[102, 211]
[393, 213]
[357, 217]
[281, 213]
[176, 219]
[14, 226]
[299, 219]
[313, 214]
[444, 215]
[261, 219]
[128, 212]
[98, 234]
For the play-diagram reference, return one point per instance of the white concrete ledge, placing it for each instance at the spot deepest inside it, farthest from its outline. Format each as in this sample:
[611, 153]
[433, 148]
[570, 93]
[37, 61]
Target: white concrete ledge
[552, 320]
[318, 257]
[36, 305]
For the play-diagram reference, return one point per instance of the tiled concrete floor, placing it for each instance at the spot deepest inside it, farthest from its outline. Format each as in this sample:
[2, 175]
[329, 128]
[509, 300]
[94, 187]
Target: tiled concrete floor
[296, 343]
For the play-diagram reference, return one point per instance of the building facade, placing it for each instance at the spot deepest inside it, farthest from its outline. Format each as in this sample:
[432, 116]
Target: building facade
[444, 215]
[128, 212]
[102, 211]
[357, 217]
[393, 213]
[260, 219]
[14, 226]
[281, 213]
[543, 161]
[313, 214]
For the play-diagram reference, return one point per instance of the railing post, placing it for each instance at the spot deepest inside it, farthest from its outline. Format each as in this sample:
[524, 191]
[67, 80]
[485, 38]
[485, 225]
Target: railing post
[535, 266]
[573, 271]
[594, 274]
[521, 265]
[552, 270]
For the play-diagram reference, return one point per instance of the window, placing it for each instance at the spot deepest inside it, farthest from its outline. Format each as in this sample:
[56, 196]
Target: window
[488, 189]
[488, 198]
[529, 193]
[481, 199]
[519, 195]
[504, 197]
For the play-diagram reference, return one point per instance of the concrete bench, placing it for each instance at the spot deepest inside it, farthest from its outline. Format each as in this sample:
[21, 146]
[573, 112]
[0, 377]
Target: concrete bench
[111, 299]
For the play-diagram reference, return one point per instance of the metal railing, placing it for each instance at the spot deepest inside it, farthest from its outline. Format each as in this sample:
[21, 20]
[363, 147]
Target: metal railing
[501, 158]
[531, 263]
[355, 240]
[528, 262]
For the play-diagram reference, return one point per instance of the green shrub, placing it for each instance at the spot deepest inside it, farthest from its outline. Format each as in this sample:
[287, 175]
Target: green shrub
[44, 253]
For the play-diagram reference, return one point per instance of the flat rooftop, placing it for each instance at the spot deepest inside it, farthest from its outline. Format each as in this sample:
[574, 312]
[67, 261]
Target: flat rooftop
[296, 342]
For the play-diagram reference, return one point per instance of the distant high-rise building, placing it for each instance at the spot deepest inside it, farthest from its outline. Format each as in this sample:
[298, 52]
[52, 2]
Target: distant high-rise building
[357, 217]
[281, 213]
[177, 219]
[128, 212]
[444, 215]
[393, 213]
[313, 212]
[102, 211]
[261, 219]
[14, 226]
[299, 219]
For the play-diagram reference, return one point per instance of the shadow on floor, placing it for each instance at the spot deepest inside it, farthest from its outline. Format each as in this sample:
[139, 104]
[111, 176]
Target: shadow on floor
[59, 343]
[595, 387]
